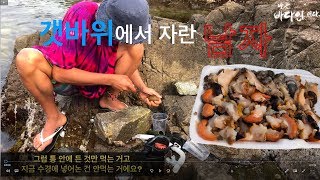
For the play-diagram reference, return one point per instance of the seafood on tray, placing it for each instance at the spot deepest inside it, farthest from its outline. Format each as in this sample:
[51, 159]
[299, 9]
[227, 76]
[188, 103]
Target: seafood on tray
[244, 105]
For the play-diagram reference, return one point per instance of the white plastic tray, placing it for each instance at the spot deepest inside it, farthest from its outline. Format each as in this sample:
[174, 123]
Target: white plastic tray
[281, 144]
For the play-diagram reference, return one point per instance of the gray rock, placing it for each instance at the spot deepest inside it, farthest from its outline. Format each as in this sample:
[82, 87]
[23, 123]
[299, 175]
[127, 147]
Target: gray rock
[244, 155]
[303, 40]
[175, 129]
[257, 170]
[179, 108]
[45, 37]
[276, 46]
[186, 88]
[299, 163]
[307, 59]
[264, 13]
[26, 41]
[277, 61]
[186, 4]
[246, 56]
[122, 125]
[210, 171]
[232, 170]
[307, 22]
[289, 35]
[309, 36]
[198, 20]
[228, 12]
[254, 15]
[316, 71]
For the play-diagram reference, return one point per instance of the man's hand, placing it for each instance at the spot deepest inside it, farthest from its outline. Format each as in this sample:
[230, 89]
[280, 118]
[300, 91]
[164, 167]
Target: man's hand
[122, 83]
[146, 92]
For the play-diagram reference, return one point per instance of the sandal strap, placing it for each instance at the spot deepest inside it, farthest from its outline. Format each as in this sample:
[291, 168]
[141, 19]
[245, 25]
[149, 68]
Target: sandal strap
[49, 137]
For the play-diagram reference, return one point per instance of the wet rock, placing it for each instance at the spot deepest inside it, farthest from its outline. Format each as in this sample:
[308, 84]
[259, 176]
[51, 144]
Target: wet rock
[32, 125]
[179, 108]
[68, 150]
[119, 143]
[233, 154]
[212, 170]
[26, 41]
[122, 125]
[80, 132]
[175, 129]
[232, 170]
[294, 164]
[299, 163]
[118, 146]
[257, 170]
[178, 131]
[186, 88]
[45, 37]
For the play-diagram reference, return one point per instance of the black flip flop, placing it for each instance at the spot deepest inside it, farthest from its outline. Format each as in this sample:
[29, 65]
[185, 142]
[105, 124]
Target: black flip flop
[59, 132]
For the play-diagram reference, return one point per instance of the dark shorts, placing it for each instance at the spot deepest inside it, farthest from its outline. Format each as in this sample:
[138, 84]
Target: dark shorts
[64, 89]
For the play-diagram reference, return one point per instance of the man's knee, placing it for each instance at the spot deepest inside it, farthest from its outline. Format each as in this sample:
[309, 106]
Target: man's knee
[137, 53]
[27, 58]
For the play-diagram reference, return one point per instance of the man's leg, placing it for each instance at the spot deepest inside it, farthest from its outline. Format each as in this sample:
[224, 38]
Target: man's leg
[129, 59]
[35, 73]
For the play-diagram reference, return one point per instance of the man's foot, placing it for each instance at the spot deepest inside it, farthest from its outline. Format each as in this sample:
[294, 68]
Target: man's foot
[112, 103]
[49, 128]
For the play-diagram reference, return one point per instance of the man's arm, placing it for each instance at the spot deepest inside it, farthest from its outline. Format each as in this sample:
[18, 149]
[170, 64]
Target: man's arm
[144, 90]
[137, 80]
[80, 77]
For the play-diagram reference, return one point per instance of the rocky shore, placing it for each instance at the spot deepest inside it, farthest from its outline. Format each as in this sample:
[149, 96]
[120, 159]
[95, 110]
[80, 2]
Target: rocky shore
[294, 45]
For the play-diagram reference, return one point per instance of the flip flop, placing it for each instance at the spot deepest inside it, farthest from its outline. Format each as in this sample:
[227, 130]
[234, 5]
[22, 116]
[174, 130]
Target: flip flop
[111, 110]
[59, 131]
